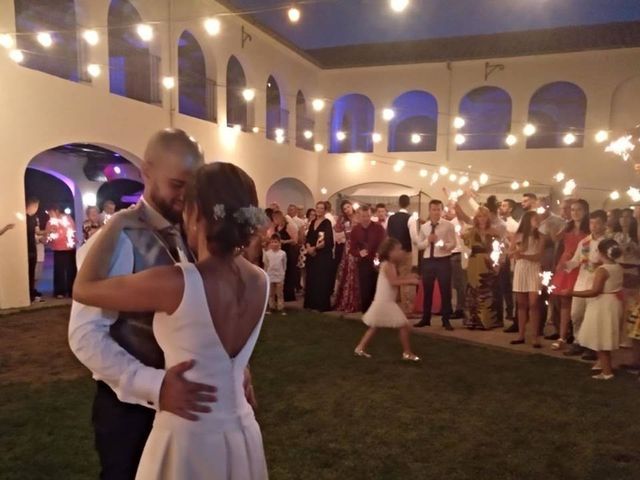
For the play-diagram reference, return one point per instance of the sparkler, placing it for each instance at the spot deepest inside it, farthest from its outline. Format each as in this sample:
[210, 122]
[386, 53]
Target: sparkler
[546, 278]
[622, 147]
[496, 252]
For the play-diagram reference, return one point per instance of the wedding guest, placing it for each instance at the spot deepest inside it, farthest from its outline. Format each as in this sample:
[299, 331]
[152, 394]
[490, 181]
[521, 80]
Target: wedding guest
[366, 238]
[574, 233]
[108, 209]
[505, 274]
[384, 312]
[288, 235]
[600, 328]
[348, 295]
[613, 220]
[626, 234]
[292, 214]
[382, 215]
[458, 265]
[329, 213]
[61, 231]
[586, 257]
[437, 238]
[399, 227]
[529, 202]
[497, 223]
[274, 206]
[275, 264]
[32, 207]
[507, 207]
[526, 251]
[565, 208]
[302, 259]
[319, 264]
[92, 222]
[293, 218]
[482, 273]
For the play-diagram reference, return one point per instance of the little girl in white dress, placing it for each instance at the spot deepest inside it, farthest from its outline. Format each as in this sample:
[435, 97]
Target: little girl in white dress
[384, 312]
[600, 330]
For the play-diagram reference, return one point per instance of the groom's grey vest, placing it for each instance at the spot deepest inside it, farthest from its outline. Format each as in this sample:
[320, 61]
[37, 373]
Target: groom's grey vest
[133, 331]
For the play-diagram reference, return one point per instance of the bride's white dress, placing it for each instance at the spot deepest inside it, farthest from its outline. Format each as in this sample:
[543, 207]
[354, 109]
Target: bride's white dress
[226, 443]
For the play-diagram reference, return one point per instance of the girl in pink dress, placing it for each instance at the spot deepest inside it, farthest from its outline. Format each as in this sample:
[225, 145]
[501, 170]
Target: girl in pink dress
[576, 231]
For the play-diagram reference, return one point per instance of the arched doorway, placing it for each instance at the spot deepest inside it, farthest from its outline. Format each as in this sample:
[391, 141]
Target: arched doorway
[70, 177]
[287, 191]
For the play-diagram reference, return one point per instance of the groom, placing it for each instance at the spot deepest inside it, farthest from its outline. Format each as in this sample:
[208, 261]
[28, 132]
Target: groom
[119, 347]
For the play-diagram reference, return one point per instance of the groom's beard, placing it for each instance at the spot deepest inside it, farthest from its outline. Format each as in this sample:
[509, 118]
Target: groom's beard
[167, 210]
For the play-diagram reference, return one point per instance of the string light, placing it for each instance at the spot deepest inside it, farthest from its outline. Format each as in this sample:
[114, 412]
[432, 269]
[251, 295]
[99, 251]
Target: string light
[294, 15]
[323, 191]
[423, 172]
[634, 193]
[376, 137]
[458, 122]
[318, 147]
[484, 178]
[443, 170]
[569, 187]
[16, 55]
[6, 40]
[44, 39]
[279, 132]
[318, 104]
[615, 195]
[168, 82]
[388, 114]
[373, 163]
[515, 186]
[558, 177]
[212, 26]
[453, 177]
[94, 70]
[341, 136]
[91, 37]
[459, 139]
[463, 180]
[237, 128]
[308, 134]
[255, 130]
[415, 138]
[569, 139]
[248, 94]
[399, 165]
[525, 184]
[602, 136]
[434, 177]
[279, 139]
[475, 185]
[511, 140]
[398, 6]
[145, 32]
[529, 129]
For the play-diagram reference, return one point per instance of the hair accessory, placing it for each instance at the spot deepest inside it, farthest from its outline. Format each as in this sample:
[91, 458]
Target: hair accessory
[218, 211]
[251, 216]
[611, 250]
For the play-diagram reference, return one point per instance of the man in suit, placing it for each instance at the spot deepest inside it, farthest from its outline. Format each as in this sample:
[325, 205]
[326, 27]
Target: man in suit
[399, 227]
[119, 347]
[438, 239]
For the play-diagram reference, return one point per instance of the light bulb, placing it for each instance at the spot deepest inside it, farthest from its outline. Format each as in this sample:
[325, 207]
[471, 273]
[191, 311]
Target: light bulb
[388, 114]
[248, 94]
[16, 55]
[475, 185]
[463, 180]
[318, 104]
[67, 211]
[515, 186]
[453, 177]
[117, 170]
[341, 136]
[255, 130]
[294, 15]
[318, 147]
[94, 70]
[89, 199]
[280, 139]
[529, 129]
[558, 177]
[323, 191]
[44, 39]
[145, 32]
[526, 183]
[443, 170]
[308, 134]
[168, 82]
[511, 140]
[91, 37]
[373, 163]
[6, 40]
[459, 139]
[415, 138]
[376, 137]
[602, 136]
[484, 178]
[212, 26]
[434, 177]
[423, 173]
[398, 6]
[458, 122]
[279, 132]
[615, 195]
[569, 139]
[237, 128]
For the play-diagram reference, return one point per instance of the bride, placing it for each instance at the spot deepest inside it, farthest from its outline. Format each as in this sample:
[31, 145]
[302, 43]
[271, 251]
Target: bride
[211, 313]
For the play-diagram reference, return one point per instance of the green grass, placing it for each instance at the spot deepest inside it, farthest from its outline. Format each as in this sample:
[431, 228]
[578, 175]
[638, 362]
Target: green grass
[467, 412]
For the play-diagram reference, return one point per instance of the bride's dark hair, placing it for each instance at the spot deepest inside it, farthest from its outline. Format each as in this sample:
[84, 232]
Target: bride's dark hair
[223, 194]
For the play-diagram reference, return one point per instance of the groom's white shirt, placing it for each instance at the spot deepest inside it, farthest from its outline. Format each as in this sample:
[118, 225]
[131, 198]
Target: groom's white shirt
[90, 341]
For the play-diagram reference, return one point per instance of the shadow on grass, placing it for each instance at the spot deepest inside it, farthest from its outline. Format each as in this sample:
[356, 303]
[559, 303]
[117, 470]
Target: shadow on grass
[466, 412]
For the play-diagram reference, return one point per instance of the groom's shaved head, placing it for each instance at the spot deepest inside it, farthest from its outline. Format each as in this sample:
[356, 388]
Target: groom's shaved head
[172, 144]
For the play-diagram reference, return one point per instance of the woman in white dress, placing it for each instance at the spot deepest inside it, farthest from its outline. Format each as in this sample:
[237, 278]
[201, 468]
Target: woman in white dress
[384, 312]
[211, 313]
[600, 330]
[526, 250]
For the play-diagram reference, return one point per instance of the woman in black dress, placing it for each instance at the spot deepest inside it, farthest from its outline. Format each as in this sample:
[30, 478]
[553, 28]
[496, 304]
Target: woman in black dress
[289, 240]
[319, 265]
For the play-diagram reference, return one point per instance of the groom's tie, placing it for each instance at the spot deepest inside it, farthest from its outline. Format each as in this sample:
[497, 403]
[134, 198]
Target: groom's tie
[173, 240]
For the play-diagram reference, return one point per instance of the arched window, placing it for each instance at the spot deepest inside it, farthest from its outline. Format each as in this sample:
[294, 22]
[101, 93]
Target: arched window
[196, 92]
[237, 112]
[303, 124]
[487, 115]
[133, 71]
[276, 117]
[557, 109]
[353, 115]
[416, 112]
[58, 18]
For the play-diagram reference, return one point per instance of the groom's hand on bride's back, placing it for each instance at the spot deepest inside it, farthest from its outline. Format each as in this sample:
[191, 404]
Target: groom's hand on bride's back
[182, 397]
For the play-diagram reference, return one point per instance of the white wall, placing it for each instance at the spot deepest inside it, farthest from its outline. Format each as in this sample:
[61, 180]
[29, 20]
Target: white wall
[40, 111]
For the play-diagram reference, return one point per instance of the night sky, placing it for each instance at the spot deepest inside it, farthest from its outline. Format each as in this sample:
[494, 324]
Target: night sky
[345, 22]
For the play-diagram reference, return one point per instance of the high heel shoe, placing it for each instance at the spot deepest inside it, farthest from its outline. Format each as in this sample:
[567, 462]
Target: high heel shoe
[361, 353]
[410, 357]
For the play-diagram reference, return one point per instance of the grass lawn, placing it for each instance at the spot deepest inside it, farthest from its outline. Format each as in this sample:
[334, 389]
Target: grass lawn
[466, 412]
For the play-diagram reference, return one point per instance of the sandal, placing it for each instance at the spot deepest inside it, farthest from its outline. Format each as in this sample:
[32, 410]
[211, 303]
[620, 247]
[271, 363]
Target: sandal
[361, 353]
[602, 376]
[559, 345]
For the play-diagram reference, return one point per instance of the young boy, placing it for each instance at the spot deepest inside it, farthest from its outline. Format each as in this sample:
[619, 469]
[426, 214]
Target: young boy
[275, 264]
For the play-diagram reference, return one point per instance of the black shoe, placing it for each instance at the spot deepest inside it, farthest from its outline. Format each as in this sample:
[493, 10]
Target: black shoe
[457, 315]
[589, 356]
[512, 329]
[422, 324]
[516, 342]
[575, 351]
[447, 326]
[553, 336]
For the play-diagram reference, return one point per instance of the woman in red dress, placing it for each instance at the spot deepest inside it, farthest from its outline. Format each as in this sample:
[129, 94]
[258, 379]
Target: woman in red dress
[347, 283]
[576, 231]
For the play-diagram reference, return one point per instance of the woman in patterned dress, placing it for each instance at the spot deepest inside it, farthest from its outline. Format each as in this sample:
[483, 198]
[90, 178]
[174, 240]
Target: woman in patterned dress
[347, 282]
